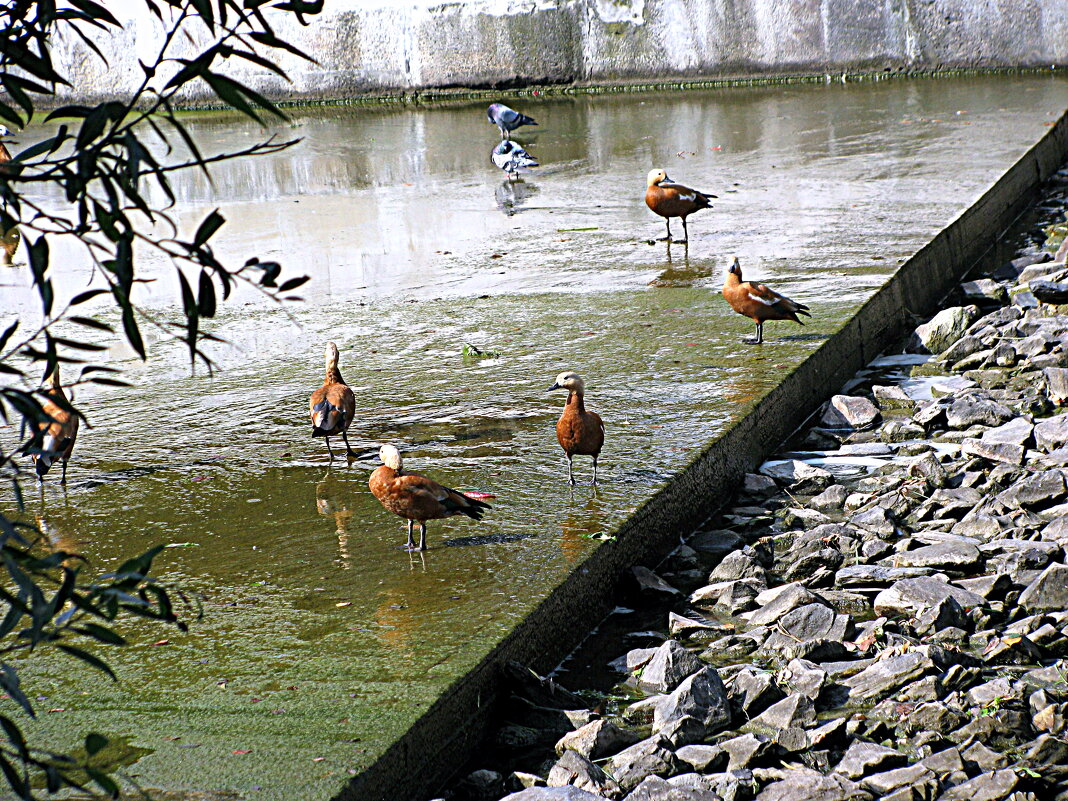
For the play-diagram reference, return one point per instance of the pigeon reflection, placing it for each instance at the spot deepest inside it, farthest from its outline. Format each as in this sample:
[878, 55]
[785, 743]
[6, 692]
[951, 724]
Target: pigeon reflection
[335, 498]
[511, 195]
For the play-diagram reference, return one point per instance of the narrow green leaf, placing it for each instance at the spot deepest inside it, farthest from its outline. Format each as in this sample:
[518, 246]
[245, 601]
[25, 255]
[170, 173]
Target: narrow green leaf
[88, 658]
[212, 223]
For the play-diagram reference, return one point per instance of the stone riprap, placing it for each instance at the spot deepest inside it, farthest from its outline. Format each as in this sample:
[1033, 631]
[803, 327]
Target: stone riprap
[401, 46]
[895, 631]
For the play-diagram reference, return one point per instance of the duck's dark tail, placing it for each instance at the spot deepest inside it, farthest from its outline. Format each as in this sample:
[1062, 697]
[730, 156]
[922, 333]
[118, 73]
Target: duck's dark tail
[326, 419]
[459, 503]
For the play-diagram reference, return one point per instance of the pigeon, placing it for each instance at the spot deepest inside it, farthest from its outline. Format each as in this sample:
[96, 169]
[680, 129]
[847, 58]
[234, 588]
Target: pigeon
[510, 157]
[507, 119]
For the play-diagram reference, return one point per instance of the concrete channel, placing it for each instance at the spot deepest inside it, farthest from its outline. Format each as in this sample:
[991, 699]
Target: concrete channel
[441, 740]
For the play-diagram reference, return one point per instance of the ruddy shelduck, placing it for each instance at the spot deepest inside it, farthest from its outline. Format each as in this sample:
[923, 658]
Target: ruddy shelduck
[758, 302]
[669, 199]
[507, 119]
[578, 431]
[58, 436]
[333, 405]
[9, 239]
[417, 498]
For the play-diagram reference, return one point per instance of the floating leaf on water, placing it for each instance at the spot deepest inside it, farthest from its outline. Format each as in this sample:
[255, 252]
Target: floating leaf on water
[587, 228]
[341, 604]
[243, 751]
[180, 545]
[473, 352]
[162, 642]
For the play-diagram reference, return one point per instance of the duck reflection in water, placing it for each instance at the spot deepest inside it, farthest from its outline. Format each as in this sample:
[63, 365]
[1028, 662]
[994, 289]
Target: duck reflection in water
[511, 195]
[584, 522]
[334, 498]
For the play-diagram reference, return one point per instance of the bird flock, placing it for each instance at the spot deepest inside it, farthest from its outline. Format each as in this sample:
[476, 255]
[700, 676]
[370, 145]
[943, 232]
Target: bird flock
[580, 432]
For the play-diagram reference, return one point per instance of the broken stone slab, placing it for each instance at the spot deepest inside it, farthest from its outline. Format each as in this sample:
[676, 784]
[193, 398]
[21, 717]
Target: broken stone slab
[1048, 592]
[745, 749]
[911, 776]
[866, 575]
[985, 787]
[794, 711]
[669, 666]
[911, 596]
[1038, 489]
[655, 788]
[849, 411]
[808, 785]
[862, 758]
[891, 397]
[984, 290]
[702, 699]
[650, 582]
[885, 676]
[956, 557]
[786, 600]
[942, 330]
[1056, 384]
[575, 770]
[718, 542]
[876, 520]
[1018, 431]
[1052, 433]
[650, 757]
[703, 758]
[1003, 452]
[565, 793]
[794, 471]
[968, 410]
[596, 739]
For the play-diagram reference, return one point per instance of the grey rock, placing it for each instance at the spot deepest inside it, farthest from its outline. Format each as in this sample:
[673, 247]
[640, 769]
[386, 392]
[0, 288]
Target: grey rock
[745, 749]
[753, 691]
[804, 677]
[1052, 433]
[805, 785]
[702, 699]
[737, 565]
[756, 484]
[848, 411]
[1056, 384]
[702, 758]
[892, 397]
[927, 466]
[649, 582]
[1018, 431]
[1048, 592]
[654, 788]
[882, 784]
[862, 758]
[1003, 452]
[882, 678]
[985, 759]
[716, 542]
[947, 613]
[679, 626]
[596, 739]
[942, 330]
[967, 410]
[669, 666]
[831, 499]
[984, 291]
[1056, 531]
[945, 763]
[809, 622]
[650, 757]
[737, 785]
[567, 793]
[865, 575]
[482, 784]
[1038, 489]
[961, 349]
[875, 520]
[898, 431]
[796, 710]
[986, 787]
[956, 557]
[950, 385]
[789, 598]
[911, 596]
[574, 769]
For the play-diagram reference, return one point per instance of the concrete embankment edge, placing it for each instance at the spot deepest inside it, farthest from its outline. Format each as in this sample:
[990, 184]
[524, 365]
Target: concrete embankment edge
[443, 738]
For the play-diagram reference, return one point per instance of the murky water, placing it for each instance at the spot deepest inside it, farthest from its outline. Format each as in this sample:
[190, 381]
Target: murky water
[322, 640]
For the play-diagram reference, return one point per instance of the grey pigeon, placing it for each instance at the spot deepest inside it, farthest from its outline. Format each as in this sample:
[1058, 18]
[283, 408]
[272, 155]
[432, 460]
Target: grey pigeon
[510, 157]
[507, 119]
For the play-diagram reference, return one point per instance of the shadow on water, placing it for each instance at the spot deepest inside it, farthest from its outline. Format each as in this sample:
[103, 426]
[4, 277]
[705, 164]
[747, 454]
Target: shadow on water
[486, 539]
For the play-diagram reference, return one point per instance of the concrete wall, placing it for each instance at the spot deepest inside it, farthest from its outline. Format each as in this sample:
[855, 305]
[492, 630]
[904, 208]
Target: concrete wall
[388, 46]
[413, 768]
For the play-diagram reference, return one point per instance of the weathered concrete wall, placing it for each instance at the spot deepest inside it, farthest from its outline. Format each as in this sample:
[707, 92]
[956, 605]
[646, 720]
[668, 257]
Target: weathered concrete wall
[388, 46]
[438, 743]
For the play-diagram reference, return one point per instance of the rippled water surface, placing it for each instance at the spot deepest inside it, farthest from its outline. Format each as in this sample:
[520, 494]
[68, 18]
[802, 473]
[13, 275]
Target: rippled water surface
[321, 639]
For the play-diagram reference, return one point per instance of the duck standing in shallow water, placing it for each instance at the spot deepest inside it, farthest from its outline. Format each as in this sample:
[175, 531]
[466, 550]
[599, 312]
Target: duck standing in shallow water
[333, 405]
[9, 239]
[578, 431]
[510, 157]
[417, 498]
[59, 435]
[759, 303]
[507, 119]
[669, 199]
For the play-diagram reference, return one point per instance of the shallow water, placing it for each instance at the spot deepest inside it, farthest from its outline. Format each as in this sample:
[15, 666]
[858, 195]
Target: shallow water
[321, 638]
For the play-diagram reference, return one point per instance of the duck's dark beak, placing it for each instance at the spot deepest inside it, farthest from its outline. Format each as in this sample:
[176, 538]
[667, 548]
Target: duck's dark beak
[554, 386]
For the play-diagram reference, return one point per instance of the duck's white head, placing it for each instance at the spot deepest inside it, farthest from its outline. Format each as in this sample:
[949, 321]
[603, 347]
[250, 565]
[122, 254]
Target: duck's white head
[331, 355]
[391, 457]
[656, 176]
[569, 380]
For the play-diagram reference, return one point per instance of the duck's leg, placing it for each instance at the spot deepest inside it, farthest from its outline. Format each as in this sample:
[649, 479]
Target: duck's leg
[570, 474]
[63, 479]
[329, 449]
[759, 337]
[594, 470]
[685, 234]
[422, 535]
[349, 452]
[668, 237]
[411, 542]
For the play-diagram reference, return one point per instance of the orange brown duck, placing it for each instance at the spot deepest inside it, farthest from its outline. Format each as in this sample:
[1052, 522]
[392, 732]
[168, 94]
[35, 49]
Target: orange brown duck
[333, 405]
[58, 436]
[417, 498]
[758, 302]
[9, 239]
[669, 199]
[579, 432]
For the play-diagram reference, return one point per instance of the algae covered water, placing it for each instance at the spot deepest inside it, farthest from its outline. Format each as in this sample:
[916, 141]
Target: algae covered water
[321, 640]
